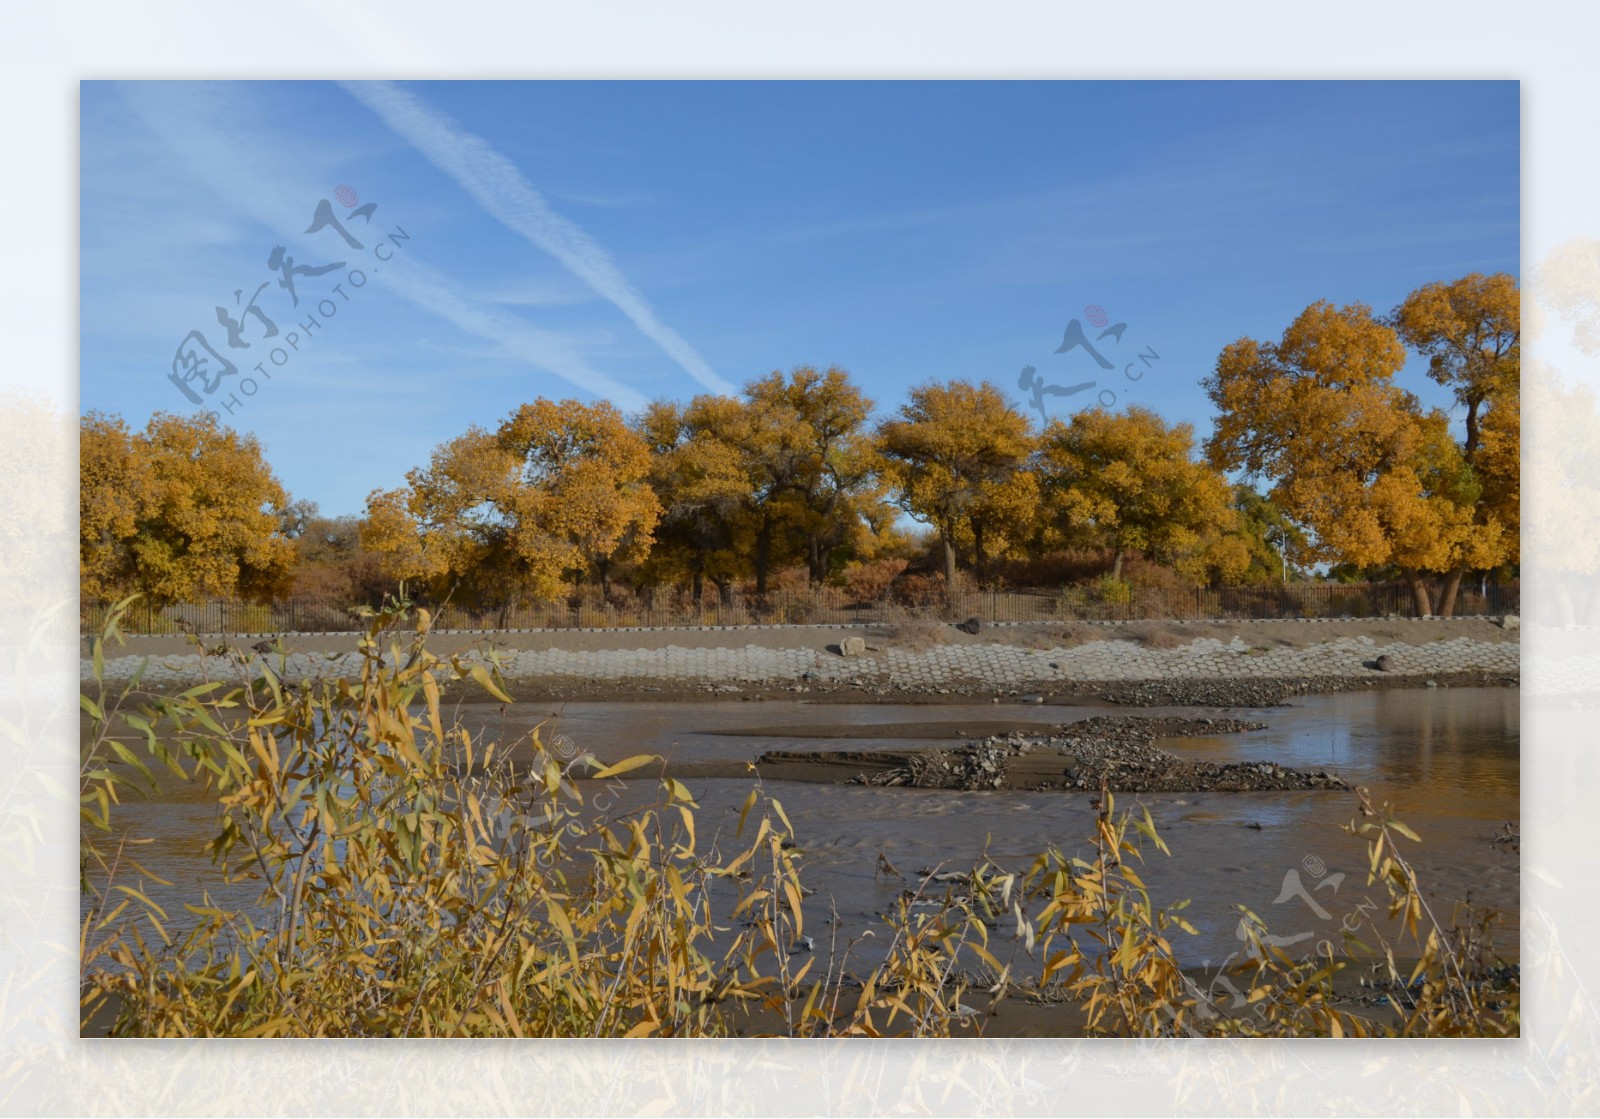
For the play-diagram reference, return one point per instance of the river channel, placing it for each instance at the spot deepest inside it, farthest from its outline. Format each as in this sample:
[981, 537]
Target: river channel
[1447, 758]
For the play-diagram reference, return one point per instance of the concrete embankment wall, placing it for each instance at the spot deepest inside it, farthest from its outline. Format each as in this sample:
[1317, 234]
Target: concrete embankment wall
[998, 657]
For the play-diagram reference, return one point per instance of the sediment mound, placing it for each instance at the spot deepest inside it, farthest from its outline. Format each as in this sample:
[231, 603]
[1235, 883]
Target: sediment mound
[1118, 751]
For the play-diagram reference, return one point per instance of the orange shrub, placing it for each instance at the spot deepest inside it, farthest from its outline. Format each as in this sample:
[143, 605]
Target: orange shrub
[870, 582]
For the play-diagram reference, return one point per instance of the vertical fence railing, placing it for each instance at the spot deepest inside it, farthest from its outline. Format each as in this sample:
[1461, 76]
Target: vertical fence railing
[836, 606]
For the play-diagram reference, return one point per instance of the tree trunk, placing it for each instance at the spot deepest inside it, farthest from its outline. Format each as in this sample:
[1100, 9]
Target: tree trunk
[699, 583]
[1419, 590]
[603, 566]
[949, 563]
[817, 560]
[1116, 565]
[977, 552]
[1447, 596]
[763, 556]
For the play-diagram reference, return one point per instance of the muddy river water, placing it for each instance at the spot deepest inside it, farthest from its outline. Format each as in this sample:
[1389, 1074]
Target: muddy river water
[1448, 759]
[1445, 758]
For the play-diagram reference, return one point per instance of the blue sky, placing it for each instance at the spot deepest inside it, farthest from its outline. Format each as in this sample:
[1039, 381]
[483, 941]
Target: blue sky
[629, 241]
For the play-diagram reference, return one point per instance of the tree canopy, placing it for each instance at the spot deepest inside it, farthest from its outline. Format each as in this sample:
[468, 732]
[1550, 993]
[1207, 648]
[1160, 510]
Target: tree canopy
[1129, 482]
[1375, 478]
[559, 488]
[955, 456]
[184, 509]
[793, 482]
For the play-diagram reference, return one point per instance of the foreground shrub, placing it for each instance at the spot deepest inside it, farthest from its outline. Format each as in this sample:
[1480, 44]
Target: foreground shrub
[418, 882]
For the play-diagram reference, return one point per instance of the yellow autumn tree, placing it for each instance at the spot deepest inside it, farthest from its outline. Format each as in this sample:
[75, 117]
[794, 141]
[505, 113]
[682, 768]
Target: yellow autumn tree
[1470, 330]
[183, 510]
[702, 484]
[796, 451]
[583, 488]
[1001, 522]
[767, 438]
[810, 454]
[113, 487]
[956, 455]
[1353, 457]
[393, 531]
[559, 489]
[1128, 482]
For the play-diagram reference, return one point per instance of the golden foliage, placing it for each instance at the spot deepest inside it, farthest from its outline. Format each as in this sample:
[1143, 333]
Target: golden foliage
[701, 482]
[956, 456]
[182, 510]
[1471, 332]
[559, 489]
[1376, 479]
[752, 485]
[1127, 482]
[789, 474]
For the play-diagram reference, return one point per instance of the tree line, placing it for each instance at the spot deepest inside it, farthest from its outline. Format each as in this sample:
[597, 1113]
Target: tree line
[1316, 456]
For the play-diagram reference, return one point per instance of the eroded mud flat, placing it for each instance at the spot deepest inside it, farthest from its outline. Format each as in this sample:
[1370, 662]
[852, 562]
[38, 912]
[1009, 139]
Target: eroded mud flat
[1118, 752]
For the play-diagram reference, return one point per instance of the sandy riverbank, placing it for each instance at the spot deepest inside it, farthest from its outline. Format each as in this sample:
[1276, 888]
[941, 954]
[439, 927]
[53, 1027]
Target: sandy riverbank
[1231, 663]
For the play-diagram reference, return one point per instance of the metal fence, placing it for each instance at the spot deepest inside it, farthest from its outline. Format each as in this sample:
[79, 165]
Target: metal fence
[824, 606]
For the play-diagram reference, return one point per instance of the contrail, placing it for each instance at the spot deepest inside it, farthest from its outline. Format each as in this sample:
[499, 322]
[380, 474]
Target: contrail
[427, 288]
[253, 181]
[496, 184]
